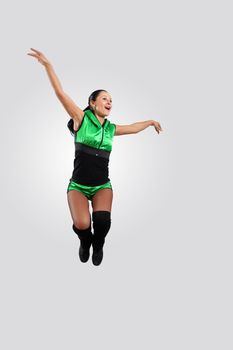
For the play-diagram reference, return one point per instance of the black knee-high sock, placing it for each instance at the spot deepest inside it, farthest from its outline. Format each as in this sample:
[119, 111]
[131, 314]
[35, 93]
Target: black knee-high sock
[85, 236]
[101, 225]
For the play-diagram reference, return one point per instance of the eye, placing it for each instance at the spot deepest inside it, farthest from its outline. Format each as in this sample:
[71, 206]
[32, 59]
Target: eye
[105, 98]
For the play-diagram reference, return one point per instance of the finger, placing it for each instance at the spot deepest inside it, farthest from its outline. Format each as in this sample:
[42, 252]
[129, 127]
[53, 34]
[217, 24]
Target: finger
[33, 55]
[35, 50]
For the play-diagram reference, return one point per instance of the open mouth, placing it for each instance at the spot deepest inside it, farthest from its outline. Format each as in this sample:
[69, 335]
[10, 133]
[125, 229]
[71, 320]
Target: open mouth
[108, 108]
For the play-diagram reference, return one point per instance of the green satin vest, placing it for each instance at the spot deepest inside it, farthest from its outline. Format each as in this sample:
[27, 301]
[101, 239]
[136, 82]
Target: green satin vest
[93, 134]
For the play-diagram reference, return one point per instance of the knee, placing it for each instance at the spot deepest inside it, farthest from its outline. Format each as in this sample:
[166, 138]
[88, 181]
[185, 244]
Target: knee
[82, 224]
[101, 221]
[83, 233]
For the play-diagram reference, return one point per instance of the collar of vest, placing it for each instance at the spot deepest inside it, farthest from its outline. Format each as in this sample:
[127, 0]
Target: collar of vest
[96, 121]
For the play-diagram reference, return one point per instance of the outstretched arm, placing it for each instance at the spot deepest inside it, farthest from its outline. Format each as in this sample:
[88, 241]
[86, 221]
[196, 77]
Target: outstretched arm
[73, 110]
[137, 127]
[49, 69]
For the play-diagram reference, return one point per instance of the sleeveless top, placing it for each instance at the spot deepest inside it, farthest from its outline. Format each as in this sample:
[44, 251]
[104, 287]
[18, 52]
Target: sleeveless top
[93, 145]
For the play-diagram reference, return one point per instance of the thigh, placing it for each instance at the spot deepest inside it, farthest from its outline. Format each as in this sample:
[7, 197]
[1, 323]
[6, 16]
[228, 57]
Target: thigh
[102, 200]
[79, 209]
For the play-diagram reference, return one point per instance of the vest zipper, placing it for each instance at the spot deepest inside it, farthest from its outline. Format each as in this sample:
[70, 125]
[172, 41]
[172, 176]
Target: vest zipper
[102, 134]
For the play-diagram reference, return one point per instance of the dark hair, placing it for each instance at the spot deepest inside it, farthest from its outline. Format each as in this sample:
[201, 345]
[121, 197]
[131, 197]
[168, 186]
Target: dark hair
[93, 96]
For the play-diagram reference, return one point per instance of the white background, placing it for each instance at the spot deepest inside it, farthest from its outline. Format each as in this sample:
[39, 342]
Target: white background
[165, 281]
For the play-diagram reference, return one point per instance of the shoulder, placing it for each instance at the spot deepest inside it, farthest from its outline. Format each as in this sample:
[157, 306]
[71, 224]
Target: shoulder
[77, 125]
[111, 125]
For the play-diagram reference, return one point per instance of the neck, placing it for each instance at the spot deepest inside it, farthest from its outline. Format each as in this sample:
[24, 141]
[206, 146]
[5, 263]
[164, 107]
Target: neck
[99, 117]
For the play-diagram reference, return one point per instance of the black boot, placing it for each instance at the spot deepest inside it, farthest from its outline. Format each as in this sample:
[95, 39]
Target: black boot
[97, 256]
[101, 225]
[85, 237]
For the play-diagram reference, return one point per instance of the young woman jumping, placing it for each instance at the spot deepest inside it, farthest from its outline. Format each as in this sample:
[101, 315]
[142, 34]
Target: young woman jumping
[93, 138]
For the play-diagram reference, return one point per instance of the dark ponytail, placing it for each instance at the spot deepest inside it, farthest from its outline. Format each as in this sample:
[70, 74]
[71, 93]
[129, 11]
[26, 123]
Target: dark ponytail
[92, 97]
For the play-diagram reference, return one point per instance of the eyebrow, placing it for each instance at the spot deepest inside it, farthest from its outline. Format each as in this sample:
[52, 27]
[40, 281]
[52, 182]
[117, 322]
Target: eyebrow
[106, 96]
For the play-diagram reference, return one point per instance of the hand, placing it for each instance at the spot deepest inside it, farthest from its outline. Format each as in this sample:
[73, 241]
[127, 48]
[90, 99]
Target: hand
[39, 55]
[157, 126]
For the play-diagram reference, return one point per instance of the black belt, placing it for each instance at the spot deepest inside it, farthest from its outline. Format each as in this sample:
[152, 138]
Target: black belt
[91, 150]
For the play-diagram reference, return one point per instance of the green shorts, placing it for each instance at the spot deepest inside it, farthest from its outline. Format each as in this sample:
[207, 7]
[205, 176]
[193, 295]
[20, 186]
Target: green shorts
[88, 191]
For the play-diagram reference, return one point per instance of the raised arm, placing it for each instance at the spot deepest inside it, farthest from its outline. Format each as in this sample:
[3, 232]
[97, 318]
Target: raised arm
[70, 106]
[136, 127]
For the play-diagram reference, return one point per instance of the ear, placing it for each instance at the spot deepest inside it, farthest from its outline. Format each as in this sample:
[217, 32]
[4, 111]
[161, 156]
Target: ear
[92, 104]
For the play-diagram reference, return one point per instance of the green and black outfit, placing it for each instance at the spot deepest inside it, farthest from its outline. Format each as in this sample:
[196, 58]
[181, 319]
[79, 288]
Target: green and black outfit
[93, 145]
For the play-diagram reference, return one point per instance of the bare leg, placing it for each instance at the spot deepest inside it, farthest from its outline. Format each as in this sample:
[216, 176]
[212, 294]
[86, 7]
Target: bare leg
[79, 209]
[102, 200]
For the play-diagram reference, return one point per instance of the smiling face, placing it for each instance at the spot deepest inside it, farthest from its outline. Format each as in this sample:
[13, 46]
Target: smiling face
[103, 104]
